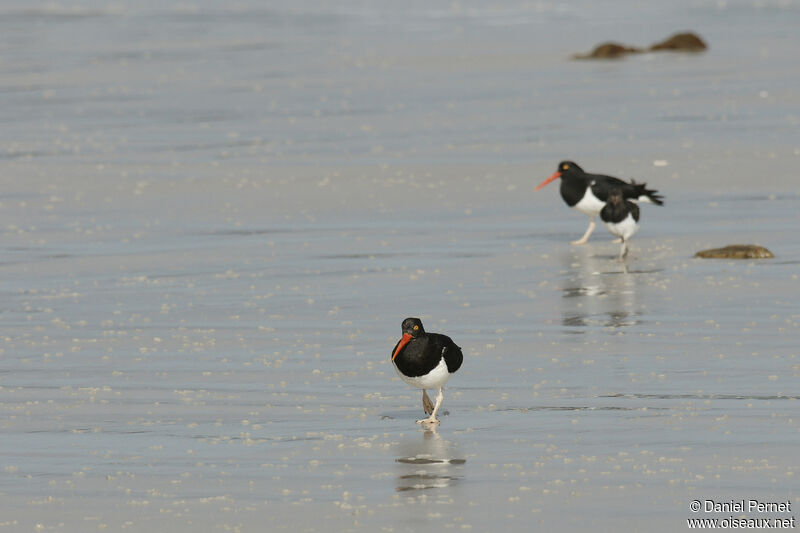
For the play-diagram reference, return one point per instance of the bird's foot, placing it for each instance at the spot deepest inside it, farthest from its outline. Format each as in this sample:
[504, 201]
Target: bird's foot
[618, 240]
[429, 422]
[427, 404]
[579, 241]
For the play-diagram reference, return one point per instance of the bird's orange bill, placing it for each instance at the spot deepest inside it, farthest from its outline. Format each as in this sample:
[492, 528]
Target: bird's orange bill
[548, 180]
[405, 340]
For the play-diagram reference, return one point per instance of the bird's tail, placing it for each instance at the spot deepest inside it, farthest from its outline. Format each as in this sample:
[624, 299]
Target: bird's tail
[645, 195]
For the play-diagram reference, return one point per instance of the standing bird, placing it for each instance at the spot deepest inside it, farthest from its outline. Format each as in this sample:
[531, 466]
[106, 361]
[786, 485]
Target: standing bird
[621, 217]
[588, 192]
[426, 361]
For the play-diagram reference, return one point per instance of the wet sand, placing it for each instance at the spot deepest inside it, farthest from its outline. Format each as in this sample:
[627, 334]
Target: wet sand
[198, 318]
[236, 377]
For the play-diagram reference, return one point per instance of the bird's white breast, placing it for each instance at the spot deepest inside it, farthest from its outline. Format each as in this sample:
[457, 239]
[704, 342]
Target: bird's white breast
[434, 379]
[625, 228]
[589, 205]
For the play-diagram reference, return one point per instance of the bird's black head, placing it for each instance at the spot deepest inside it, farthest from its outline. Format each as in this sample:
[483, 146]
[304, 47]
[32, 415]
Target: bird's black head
[413, 326]
[564, 167]
[569, 166]
[615, 196]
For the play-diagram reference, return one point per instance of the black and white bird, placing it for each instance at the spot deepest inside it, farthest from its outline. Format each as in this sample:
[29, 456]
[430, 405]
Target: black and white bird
[426, 361]
[588, 193]
[621, 217]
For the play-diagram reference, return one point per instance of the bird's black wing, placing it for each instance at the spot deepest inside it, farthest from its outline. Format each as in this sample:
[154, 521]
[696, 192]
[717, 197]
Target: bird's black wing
[450, 351]
[601, 185]
[634, 209]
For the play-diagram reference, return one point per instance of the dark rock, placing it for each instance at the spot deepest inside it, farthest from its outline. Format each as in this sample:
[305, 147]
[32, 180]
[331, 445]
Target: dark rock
[681, 42]
[608, 51]
[736, 251]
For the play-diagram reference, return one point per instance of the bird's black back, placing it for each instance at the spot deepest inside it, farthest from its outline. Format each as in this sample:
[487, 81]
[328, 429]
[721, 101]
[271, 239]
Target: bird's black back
[617, 212]
[574, 182]
[422, 354]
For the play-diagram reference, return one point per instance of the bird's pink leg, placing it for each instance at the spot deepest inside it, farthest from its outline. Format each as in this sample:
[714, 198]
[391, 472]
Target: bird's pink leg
[432, 420]
[427, 404]
[589, 231]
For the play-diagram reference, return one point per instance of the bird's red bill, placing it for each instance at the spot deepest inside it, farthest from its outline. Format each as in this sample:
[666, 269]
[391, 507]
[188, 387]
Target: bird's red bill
[548, 180]
[405, 340]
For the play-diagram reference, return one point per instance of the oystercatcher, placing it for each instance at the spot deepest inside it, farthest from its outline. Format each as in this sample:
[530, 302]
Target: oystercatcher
[426, 361]
[621, 217]
[588, 192]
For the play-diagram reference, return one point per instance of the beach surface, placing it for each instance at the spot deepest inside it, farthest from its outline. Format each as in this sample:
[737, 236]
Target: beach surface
[214, 220]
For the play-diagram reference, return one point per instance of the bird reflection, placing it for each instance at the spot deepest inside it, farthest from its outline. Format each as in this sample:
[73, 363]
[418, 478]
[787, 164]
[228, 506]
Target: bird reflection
[596, 294]
[428, 464]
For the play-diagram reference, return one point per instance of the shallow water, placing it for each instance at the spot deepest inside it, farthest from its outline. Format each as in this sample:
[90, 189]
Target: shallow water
[215, 219]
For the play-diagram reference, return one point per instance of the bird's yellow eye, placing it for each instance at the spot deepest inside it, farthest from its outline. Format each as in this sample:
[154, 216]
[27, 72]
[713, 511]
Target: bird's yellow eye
[565, 167]
[416, 328]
